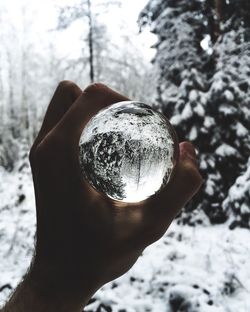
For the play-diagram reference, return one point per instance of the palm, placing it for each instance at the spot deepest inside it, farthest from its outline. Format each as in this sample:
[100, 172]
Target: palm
[81, 233]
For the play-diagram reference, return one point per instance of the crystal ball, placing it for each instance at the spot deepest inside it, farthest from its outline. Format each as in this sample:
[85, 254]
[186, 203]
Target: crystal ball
[128, 151]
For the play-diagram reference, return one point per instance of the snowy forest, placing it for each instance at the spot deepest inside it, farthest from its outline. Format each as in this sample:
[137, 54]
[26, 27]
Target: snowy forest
[190, 60]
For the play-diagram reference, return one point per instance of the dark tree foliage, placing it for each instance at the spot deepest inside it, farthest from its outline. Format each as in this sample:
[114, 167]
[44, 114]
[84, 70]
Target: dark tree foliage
[205, 92]
[104, 172]
[238, 200]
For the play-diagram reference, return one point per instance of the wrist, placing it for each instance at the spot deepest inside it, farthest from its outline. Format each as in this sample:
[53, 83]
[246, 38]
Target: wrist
[55, 284]
[43, 290]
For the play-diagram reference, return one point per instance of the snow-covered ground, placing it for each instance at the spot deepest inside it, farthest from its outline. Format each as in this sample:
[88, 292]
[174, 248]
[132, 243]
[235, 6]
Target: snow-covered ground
[192, 269]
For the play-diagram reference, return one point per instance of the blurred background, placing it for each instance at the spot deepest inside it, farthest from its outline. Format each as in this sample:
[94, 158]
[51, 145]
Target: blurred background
[189, 59]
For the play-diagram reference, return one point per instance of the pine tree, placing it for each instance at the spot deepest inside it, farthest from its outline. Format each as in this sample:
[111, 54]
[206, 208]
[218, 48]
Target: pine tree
[83, 9]
[118, 62]
[205, 92]
[238, 200]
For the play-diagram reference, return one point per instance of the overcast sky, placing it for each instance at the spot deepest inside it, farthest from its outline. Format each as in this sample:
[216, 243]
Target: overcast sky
[130, 12]
[44, 18]
[126, 17]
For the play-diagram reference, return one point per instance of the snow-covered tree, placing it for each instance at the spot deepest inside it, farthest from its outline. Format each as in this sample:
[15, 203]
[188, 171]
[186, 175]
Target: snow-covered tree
[25, 78]
[237, 204]
[96, 36]
[117, 62]
[205, 91]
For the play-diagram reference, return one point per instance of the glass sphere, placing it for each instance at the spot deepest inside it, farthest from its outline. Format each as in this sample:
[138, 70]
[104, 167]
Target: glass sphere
[128, 151]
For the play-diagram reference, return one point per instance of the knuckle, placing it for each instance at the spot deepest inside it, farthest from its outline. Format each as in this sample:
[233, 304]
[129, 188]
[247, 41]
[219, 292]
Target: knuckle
[47, 151]
[31, 154]
[96, 88]
[69, 89]
[65, 84]
[41, 154]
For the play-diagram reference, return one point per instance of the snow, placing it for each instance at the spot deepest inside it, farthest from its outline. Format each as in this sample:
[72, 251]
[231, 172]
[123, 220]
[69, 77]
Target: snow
[175, 120]
[218, 84]
[229, 95]
[209, 122]
[227, 110]
[199, 264]
[193, 134]
[203, 268]
[210, 187]
[199, 110]
[17, 226]
[241, 131]
[193, 96]
[238, 199]
[241, 186]
[244, 209]
[186, 114]
[225, 150]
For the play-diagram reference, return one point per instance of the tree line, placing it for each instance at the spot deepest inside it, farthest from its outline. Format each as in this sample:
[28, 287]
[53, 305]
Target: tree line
[203, 59]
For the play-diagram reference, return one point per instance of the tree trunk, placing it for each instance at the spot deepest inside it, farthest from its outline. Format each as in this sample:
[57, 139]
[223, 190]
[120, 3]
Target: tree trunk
[90, 41]
[218, 8]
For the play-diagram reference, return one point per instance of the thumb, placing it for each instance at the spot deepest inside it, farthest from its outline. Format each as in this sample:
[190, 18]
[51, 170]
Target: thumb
[183, 186]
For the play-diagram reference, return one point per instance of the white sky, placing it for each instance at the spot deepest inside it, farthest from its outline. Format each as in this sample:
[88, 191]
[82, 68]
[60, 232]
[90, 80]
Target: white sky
[132, 8]
[42, 14]
[127, 16]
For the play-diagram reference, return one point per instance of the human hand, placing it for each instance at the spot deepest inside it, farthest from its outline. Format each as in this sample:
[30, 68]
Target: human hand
[85, 239]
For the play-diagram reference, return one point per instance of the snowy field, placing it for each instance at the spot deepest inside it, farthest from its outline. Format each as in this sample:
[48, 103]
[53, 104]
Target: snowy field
[192, 269]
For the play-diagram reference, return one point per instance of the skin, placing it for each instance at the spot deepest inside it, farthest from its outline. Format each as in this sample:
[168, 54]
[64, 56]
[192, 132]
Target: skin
[85, 239]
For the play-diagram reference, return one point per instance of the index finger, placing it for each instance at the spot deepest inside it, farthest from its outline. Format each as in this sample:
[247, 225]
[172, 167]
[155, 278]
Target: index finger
[65, 95]
[94, 98]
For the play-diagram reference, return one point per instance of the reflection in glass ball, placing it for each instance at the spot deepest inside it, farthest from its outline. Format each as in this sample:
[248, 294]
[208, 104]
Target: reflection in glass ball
[128, 151]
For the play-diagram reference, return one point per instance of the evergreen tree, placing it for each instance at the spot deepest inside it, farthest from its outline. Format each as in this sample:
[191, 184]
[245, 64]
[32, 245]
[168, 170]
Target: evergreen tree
[205, 92]
[238, 200]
